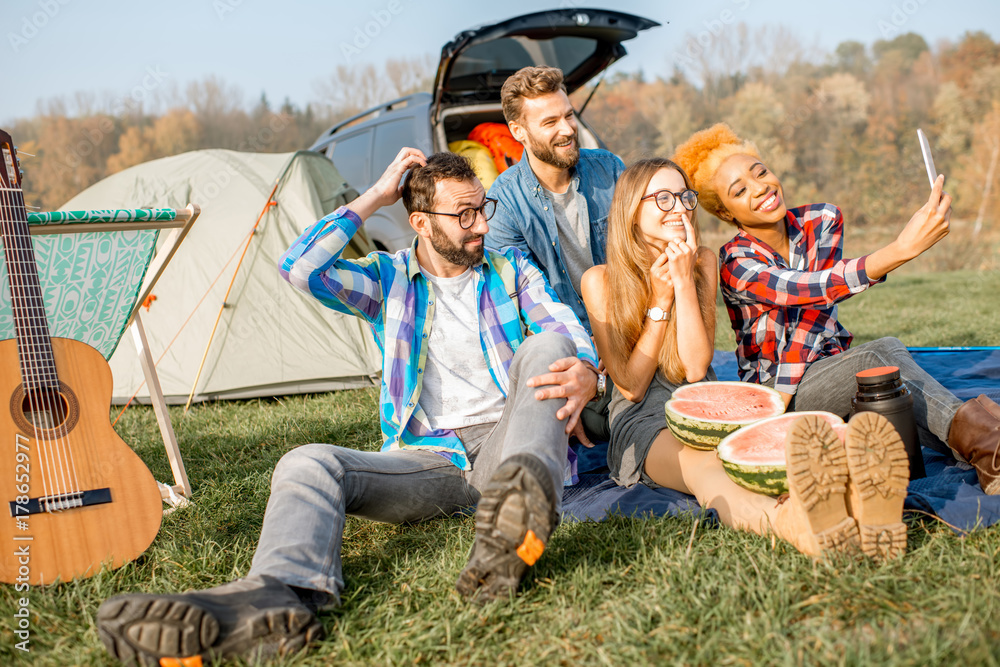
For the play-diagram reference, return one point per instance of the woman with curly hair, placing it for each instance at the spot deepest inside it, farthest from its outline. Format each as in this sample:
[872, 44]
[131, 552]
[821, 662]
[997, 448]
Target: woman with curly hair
[652, 309]
[782, 277]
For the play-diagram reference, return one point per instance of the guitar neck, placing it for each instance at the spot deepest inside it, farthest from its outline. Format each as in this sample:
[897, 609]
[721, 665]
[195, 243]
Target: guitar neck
[38, 369]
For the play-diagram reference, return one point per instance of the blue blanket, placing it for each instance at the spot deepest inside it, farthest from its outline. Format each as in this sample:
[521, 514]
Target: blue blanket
[950, 492]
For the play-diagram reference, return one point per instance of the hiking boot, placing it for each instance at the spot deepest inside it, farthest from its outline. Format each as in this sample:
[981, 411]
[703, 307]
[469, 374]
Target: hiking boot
[880, 473]
[975, 435]
[815, 518]
[248, 618]
[514, 519]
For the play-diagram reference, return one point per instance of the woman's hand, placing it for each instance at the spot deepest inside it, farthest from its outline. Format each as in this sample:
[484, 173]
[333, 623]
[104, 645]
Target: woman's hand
[661, 283]
[682, 256]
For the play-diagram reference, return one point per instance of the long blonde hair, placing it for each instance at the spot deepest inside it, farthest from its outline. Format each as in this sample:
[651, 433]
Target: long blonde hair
[627, 272]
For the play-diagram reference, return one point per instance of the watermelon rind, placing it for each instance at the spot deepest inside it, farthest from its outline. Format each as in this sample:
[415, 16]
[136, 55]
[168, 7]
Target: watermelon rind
[766, 478]
[705, 434]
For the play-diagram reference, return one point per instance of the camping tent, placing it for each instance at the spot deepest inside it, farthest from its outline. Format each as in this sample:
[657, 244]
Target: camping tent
[270, 339]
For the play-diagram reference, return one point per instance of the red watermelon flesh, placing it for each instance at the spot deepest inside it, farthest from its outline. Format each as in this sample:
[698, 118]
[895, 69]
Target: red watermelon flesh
[754, 456]
[763, 443]
[702, 414]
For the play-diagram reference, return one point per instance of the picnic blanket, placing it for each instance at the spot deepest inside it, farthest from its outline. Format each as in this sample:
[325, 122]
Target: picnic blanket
[950, 491]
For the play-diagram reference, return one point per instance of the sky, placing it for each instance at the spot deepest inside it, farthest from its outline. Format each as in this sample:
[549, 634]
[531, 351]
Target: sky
[115, 51]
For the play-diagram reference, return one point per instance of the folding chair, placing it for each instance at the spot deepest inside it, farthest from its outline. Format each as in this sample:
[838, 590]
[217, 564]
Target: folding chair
[96, 270]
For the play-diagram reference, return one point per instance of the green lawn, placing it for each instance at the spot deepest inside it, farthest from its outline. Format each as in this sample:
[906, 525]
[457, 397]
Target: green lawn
[625, 591]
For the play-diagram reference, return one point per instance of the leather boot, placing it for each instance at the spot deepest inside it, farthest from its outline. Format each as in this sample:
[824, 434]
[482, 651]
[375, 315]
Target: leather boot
[880, 473]
[815, 518]
[975, 436]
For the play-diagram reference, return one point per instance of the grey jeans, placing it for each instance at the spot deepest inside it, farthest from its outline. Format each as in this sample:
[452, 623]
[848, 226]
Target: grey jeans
[829, 384]
[315, 486]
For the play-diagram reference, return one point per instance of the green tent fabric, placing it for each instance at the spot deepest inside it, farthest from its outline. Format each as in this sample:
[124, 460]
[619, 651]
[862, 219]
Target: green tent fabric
[271, 340]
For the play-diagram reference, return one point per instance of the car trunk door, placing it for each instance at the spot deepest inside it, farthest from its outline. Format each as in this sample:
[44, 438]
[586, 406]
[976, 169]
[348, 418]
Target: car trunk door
[581, 42]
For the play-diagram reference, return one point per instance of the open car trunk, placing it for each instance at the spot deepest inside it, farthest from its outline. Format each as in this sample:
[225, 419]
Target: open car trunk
[581, 42]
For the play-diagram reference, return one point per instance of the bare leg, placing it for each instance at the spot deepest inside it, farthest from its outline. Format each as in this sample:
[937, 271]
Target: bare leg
[673, 465]
[812, 527]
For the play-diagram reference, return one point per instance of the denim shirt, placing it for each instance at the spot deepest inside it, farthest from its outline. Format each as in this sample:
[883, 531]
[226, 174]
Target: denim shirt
[525, 218]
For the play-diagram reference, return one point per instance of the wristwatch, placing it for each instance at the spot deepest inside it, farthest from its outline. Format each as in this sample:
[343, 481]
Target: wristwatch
[602, 387]
[657, 314]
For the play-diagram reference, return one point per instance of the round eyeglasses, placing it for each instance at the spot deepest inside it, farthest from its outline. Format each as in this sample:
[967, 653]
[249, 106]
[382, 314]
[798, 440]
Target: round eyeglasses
[665, 199]
[467, 216]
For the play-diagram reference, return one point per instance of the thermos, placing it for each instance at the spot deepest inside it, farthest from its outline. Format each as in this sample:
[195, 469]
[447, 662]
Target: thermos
[880, 390]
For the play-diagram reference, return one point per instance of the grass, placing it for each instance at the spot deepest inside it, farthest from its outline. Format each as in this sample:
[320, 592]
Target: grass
[624, 591]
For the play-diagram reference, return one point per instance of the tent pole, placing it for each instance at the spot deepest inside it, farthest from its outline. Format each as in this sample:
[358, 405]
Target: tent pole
[268, 204]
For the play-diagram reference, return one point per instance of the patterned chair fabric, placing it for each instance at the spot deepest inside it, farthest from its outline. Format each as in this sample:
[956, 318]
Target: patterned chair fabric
[89, 282]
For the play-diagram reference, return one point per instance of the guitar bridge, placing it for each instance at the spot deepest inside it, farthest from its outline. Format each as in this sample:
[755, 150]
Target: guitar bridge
[61, 501]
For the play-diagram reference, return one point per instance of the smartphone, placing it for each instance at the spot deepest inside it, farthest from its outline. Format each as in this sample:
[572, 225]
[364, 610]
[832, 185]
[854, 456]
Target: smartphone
[925, 148]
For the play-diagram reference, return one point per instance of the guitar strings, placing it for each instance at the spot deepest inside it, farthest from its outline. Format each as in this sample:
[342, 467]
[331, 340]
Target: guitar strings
[10, 250]
[45, 400]
[52, 397]
[28, 372]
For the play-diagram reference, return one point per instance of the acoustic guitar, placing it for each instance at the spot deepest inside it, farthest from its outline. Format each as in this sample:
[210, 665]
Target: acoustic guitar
[73, 496]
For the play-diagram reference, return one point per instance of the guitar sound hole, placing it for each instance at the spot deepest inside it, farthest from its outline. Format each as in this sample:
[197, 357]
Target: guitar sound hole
[56, 412]
[45, 409]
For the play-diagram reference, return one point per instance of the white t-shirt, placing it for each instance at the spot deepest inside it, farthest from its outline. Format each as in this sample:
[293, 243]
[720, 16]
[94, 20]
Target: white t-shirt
[458, 390]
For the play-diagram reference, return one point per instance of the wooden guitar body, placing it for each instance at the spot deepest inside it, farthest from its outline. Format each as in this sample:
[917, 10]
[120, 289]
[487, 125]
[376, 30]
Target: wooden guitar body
[90, 500]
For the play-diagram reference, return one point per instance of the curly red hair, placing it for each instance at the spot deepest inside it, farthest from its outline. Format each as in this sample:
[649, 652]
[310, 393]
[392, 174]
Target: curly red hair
[701, 155]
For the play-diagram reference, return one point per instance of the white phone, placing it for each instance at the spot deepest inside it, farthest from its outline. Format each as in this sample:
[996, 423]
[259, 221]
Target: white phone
[925, 148]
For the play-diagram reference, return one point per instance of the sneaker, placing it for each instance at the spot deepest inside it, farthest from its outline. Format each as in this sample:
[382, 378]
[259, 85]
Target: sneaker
[880, 473]
[514, 520]
[248, 618]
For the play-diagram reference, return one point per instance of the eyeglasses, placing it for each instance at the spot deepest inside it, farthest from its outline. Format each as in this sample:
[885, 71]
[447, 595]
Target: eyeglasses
[467, 216]
[665, 199]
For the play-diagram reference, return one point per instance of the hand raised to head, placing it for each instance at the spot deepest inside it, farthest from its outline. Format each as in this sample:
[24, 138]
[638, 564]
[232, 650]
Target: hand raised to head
[389, 187]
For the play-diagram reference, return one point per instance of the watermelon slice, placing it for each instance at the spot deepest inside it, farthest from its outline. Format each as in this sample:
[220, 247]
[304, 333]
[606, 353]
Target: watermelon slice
[754, 456]
[701, 414]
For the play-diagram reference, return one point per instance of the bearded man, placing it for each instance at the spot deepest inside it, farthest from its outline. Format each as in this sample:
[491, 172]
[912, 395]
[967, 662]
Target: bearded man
[472, 410]
[553, 205]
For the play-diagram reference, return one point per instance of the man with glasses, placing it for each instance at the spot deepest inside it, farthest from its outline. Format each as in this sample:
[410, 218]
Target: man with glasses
[472, 411]
[553, 205]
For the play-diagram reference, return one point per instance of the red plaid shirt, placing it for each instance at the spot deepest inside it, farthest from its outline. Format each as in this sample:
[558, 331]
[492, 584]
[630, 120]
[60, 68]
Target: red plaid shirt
[785, 313]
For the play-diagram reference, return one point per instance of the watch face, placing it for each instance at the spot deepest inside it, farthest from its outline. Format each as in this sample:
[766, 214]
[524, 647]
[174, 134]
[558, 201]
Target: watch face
[658, 314]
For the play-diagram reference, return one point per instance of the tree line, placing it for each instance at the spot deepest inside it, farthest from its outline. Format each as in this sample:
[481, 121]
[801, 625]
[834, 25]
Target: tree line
[836, 126]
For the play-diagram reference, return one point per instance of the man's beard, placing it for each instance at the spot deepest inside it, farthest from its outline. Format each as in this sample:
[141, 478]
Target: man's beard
[548, 154]
[456, 254]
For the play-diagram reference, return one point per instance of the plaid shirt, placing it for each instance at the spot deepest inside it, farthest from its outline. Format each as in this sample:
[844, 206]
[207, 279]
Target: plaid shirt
[391, 294]
[785, 313]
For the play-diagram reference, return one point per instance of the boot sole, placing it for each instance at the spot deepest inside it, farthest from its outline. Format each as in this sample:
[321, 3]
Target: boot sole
[817, 478]
[880, 473]
[514, 520]
[151, 631]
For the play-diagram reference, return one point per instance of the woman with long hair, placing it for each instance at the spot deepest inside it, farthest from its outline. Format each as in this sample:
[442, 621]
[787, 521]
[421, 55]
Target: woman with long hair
[652, 308]
[782, 277]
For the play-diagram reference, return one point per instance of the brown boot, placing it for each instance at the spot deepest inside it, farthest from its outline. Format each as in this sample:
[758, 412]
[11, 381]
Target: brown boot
[975, 436]
[815, 518]
[880, 472]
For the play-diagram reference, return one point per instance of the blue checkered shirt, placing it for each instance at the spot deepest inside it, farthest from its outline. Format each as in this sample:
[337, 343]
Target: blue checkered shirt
[391, 294]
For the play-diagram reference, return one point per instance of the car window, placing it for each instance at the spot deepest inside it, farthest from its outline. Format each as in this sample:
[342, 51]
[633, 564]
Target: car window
[351, 155]
[512, 53]
[390, 137]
